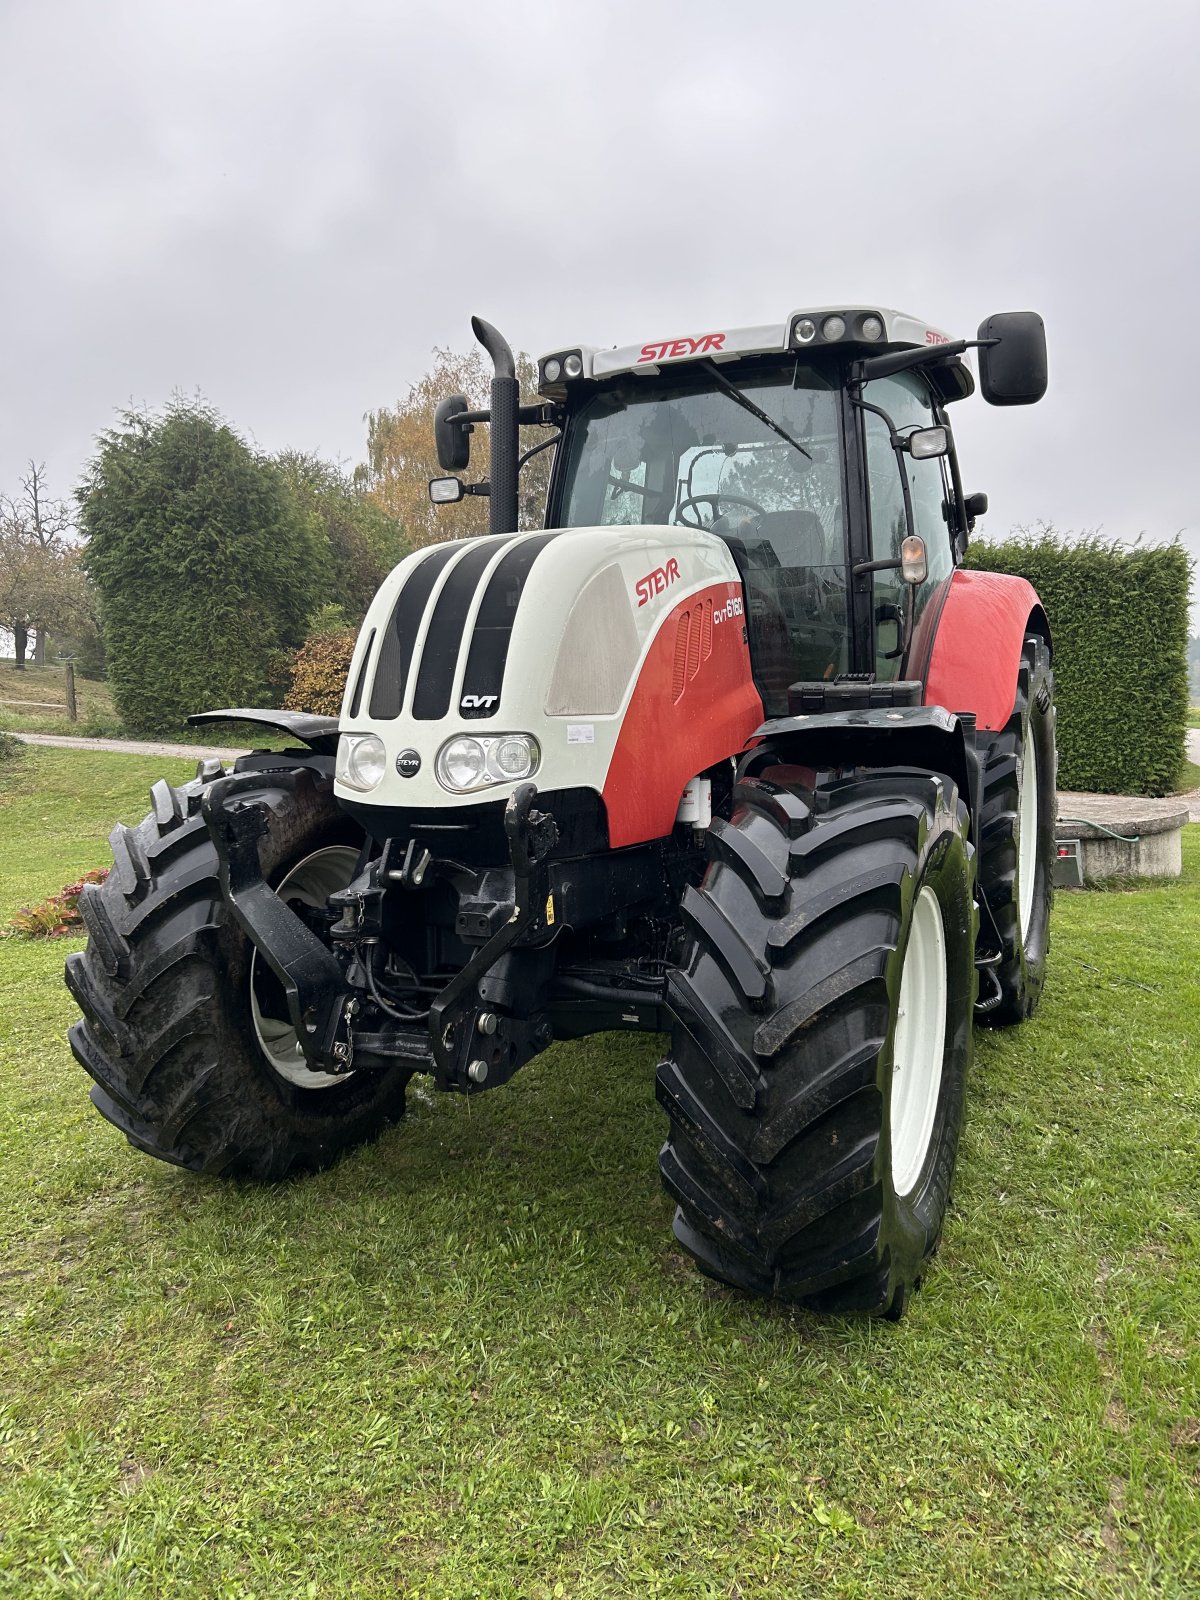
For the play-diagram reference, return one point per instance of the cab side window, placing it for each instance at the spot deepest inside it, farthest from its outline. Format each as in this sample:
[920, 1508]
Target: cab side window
[909, 405]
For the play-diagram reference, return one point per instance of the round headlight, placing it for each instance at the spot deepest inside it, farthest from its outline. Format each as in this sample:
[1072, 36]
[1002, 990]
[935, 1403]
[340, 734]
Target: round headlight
[833, 327]
[805, 330]
[872, 327]
[573, 367]
[552, 371]
[361, 760]
[514, 757]
[460, 764]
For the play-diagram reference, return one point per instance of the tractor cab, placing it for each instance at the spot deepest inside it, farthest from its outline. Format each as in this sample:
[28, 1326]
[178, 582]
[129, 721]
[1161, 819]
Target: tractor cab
[817, 450]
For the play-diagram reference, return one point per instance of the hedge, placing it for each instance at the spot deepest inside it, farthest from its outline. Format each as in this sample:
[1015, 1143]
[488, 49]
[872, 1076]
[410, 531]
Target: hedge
[319, 671]
[1119, 620]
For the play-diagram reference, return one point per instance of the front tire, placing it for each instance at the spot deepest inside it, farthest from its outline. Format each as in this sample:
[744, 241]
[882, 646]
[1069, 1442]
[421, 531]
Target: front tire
[832, 953]
[176, 1018]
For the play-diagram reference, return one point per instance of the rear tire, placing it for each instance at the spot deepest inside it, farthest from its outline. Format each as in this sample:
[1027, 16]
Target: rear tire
[1016, 870]
[798, 1170]
[169, 1030]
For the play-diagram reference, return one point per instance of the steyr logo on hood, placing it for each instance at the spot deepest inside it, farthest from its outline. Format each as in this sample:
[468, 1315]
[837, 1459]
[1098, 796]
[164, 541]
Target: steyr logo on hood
[477, 702]
[655, 582]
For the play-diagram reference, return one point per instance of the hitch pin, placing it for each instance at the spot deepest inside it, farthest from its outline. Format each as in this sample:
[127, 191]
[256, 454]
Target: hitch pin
[416, 863]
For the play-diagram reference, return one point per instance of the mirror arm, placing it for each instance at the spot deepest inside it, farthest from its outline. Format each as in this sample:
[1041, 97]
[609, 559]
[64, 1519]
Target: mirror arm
[904, 360]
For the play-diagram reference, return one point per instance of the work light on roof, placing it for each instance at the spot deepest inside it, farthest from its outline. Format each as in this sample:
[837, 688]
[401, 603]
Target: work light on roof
[552, 371]
[573, 366]
[805, 330]
[833, 328]
[872, 328]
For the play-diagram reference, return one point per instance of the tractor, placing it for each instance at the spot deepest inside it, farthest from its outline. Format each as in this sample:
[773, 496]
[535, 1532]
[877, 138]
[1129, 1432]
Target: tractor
[733, 749]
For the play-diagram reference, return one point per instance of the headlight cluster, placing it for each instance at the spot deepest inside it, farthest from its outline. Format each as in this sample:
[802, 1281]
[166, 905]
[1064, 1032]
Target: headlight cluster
[465, 763]
[556, 368]
[361, 760]
[864, 326]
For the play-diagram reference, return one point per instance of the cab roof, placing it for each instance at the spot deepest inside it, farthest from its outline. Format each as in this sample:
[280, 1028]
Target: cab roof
[866, 330]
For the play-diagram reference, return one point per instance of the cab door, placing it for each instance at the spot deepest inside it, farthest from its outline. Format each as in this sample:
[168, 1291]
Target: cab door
[908, 402]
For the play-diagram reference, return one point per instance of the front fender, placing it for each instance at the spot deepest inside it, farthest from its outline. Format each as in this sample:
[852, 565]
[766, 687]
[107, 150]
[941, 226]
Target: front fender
[976, 651]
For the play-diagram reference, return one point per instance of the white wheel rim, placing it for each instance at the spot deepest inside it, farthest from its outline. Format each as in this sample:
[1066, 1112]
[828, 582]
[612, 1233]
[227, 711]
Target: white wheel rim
[918, 1043]
[1028, 840]
[310, 881]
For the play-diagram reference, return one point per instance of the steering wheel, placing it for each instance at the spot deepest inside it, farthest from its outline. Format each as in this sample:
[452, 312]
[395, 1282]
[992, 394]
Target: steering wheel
[714, 501]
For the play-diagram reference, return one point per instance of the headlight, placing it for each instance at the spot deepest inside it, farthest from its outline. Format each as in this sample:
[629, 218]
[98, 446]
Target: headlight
[467, 763]
[460, 763]
[361, 760]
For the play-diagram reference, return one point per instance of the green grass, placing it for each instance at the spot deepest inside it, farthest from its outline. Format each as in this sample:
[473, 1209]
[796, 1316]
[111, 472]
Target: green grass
[470, 1361]
[1189, 778]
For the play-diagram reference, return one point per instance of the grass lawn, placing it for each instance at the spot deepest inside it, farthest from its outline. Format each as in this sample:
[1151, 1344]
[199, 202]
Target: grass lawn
[35, 701]
[470, 1361]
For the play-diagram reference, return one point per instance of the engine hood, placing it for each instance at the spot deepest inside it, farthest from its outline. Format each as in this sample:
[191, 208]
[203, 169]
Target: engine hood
[540, 633]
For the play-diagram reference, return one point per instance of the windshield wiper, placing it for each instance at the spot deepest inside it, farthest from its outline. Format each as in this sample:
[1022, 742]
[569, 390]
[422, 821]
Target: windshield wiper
[747, 404]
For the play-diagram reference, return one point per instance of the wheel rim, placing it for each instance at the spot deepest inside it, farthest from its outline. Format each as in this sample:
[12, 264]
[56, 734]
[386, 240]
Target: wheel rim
[1028, 843]
[919, 1043]
[311, 881]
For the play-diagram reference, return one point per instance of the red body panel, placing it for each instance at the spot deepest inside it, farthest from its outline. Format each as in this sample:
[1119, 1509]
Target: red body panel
[694, 704]
[977, 649]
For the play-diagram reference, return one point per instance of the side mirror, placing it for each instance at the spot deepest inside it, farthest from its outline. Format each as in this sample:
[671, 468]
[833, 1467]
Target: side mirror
[975, 505]
[1012, 370]
[453, 439]
[446, 491]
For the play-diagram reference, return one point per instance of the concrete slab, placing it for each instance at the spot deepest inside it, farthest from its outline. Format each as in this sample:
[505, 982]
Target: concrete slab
[1124, 836]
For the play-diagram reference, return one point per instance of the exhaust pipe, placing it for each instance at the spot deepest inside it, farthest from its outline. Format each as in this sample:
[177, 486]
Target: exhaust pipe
[505, 444]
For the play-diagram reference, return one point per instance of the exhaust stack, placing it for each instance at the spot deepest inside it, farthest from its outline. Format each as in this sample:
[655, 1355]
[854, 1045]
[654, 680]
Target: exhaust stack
[505, 449]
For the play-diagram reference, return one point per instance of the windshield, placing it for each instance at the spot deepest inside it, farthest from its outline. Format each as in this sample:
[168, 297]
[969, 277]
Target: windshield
[663, 453]
[694, 456]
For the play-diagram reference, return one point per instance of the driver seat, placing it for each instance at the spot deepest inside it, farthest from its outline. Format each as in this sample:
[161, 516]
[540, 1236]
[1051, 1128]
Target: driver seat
[797, 538]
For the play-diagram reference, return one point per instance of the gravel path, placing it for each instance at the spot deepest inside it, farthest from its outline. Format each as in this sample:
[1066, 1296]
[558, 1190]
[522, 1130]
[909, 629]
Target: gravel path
[131, 747]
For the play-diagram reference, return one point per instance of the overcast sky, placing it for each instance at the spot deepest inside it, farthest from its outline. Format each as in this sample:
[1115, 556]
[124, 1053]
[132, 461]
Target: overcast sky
[286, 204]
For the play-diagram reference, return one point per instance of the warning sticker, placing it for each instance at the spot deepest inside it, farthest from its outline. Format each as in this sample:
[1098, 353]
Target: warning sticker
[581, 733]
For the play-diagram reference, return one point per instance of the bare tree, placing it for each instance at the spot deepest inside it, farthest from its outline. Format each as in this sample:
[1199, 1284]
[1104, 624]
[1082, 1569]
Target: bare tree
[41, 582]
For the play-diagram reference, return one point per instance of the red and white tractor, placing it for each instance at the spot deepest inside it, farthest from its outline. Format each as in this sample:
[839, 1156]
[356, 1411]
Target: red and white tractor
[734, 749]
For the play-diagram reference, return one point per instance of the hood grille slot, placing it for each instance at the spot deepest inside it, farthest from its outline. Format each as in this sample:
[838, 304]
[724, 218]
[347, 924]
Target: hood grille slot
[447, 626]
[400, 635]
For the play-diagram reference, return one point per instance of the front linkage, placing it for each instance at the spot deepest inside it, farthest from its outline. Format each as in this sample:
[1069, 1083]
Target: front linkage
[479, 1029]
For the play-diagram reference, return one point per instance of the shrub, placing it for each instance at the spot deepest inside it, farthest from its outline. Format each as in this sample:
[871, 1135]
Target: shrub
[10, 748]
[319, 671]
[59, 914]
[203, 565]
[1119, 619]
